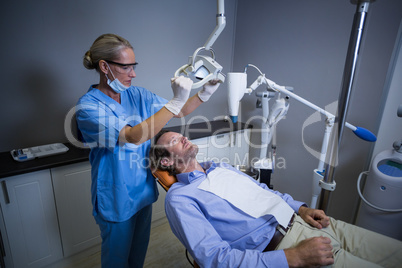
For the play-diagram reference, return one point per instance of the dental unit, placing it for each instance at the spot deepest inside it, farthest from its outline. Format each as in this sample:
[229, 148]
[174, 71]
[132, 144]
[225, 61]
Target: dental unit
[236, 90]
[203, 67]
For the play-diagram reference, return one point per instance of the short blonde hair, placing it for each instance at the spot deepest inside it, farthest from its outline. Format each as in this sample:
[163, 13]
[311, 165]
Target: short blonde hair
[105, 47]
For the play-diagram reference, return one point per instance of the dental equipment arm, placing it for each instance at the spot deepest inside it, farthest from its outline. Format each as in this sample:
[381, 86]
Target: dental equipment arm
[220, 25]
[237, 88]
[319, 172]
[358, 131]
[235, 97]
[204, 67]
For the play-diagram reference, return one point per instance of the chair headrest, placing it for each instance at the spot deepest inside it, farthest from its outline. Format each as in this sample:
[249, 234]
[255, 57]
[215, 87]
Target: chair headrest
[164, 178]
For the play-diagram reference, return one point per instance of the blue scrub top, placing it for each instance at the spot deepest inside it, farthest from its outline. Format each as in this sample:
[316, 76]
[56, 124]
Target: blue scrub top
[122, 183]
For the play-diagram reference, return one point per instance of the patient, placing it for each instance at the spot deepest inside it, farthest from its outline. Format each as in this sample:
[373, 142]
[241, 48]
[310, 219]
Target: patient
[222, 233]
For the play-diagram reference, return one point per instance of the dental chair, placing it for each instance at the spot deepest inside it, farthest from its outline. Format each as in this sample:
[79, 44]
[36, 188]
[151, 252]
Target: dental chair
[166, 180]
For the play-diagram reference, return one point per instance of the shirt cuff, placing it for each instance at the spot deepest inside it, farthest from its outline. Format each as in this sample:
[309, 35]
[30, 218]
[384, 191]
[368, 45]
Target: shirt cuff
[276, 258]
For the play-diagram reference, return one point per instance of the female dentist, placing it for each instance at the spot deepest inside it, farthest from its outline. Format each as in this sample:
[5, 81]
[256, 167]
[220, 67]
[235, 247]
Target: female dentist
[118, 120]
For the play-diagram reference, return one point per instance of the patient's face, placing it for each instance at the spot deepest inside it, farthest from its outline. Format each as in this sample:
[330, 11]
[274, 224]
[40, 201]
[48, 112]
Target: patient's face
[180, 148]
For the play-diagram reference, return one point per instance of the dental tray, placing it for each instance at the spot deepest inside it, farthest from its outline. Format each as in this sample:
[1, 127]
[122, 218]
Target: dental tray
[38, 151]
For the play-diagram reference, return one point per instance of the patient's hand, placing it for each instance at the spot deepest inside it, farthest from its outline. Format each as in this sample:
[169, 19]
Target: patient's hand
[314, 217]
[316, 251]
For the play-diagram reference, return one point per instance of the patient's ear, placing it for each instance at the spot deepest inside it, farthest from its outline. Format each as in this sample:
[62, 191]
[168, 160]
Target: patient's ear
[166, 162]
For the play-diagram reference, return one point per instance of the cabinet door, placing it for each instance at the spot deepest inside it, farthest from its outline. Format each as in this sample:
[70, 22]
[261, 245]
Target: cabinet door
[6, 258]
[30, 218]
[72, 187]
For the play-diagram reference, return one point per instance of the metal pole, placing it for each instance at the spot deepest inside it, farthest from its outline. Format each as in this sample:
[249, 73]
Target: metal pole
[328, 183]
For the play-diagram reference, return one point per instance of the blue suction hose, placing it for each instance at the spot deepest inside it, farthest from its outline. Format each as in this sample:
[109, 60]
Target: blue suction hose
[365, 134]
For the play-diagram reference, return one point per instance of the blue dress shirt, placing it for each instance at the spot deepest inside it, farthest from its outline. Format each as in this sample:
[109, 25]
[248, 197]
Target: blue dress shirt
[216, 233]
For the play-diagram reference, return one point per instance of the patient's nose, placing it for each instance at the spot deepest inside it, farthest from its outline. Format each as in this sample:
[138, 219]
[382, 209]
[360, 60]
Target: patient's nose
[184, 139]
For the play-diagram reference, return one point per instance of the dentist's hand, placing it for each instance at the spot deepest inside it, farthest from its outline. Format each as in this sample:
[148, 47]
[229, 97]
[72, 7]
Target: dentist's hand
[208, 89]
[181, 87]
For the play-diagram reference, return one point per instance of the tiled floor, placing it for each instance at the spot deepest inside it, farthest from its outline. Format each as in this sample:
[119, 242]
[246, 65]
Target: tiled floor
[164, 250]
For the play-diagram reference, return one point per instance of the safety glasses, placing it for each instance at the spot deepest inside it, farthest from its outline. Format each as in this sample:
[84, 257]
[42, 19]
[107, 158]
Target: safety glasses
[124, 68]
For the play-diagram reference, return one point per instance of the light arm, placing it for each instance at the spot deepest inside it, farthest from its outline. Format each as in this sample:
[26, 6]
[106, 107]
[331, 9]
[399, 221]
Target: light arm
[203, 67]
[220, 25]
[360, 132]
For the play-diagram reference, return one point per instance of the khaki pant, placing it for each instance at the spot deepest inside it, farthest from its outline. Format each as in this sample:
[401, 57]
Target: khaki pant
[352, 246]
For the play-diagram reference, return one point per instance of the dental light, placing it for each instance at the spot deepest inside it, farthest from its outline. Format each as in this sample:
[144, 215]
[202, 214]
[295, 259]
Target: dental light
[237, 87]
[203, 67]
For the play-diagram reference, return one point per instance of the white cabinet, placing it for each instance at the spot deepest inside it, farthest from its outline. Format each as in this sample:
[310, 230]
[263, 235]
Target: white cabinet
[30, 220]
[72, 188]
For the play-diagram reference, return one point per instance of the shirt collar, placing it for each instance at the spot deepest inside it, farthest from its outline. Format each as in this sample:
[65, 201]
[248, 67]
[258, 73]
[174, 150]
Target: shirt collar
[190, 177]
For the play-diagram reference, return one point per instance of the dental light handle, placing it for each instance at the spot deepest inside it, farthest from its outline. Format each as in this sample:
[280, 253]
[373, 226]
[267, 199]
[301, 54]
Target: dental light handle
[358, 131]
[220, 25]
[202, 62]
[363, 133]
[205, 80]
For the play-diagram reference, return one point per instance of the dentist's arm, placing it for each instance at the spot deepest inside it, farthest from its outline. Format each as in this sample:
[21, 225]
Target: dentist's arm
[148, 128]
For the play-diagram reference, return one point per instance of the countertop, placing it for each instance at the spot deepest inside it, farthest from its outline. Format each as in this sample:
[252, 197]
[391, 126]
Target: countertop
[10, 167]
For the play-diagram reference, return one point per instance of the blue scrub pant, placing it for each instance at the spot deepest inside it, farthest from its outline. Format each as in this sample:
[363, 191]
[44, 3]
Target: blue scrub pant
[124, 244]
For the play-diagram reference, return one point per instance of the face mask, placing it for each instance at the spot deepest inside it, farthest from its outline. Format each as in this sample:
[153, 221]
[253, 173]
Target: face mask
[116, 85]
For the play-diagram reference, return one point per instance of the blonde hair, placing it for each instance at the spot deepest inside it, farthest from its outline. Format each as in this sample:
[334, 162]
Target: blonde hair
[105, 47]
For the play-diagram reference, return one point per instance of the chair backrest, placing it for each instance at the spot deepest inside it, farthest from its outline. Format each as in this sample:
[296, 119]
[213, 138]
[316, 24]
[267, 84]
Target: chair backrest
[164, 178]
